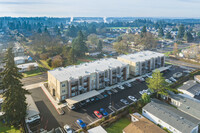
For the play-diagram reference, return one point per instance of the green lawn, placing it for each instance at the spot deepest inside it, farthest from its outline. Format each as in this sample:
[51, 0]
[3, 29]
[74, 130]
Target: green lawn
[32, 73]
[6, 129]
[118, 126]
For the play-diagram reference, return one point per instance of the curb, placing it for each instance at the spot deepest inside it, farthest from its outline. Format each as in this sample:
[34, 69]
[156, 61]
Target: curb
[49, 99]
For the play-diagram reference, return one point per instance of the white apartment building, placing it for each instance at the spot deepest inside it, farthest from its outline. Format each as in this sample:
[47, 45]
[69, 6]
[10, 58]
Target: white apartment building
[143, 62]
[75, 80]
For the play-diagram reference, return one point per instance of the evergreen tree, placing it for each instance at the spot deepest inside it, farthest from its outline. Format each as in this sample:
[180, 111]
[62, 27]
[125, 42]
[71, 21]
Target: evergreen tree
[71, 57]
[79, 45]
[157, 83]
[160, 32]
[39, 31]
[143, 31]
[181, 32]
[61, 26]
[14, 104]
[168, 35]
[188, 37]
[100, 45]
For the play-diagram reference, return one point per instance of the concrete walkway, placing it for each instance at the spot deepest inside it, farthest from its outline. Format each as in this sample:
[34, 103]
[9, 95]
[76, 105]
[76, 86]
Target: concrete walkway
[53, 101]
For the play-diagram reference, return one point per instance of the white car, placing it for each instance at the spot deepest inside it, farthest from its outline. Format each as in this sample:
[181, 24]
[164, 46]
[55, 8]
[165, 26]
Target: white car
[132, 98]
[173, 79]
[124, 101]
[68, 129]
[128, 84]
[187, 71]
[120, 87]
[168, 81]
[177, 75]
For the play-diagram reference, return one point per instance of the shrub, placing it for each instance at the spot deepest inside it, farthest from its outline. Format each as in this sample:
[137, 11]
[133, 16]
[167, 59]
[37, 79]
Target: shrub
[44, 56]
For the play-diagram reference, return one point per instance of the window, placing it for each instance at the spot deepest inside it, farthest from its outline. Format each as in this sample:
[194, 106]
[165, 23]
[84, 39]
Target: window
[63, 85]
[63, 91]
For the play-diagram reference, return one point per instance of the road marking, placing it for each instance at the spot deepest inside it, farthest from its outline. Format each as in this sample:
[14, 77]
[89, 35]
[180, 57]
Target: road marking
[89, 119]
[117, 105]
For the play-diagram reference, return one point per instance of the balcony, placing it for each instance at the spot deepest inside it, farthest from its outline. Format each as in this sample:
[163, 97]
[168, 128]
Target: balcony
[106, 80]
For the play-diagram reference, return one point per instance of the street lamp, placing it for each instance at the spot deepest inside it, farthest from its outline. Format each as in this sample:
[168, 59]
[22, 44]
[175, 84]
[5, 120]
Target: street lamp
[110, 99]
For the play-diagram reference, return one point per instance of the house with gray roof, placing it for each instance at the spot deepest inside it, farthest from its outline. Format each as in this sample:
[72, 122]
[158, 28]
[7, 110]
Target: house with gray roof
[187, 105]
[168, 116]
[190, 88]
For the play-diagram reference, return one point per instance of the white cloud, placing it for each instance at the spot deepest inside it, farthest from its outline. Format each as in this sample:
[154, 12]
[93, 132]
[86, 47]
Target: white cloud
[135, 8]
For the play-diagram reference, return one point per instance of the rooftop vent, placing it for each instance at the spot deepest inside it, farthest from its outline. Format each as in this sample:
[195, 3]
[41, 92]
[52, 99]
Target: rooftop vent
[188, 107]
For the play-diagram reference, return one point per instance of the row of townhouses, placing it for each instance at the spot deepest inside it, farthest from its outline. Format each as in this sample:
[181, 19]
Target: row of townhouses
[71, 81]
[183, 118]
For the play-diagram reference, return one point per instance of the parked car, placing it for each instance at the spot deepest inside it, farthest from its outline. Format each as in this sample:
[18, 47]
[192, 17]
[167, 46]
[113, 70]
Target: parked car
[128, 84]
[81, 123]
[172, 79]
[82, 103]
[120, 87]
[114, 90]
[87, 101]
[132, 98]
[105, 95]
[124, 101]
[103, 112]
[187, 71]
[92, 99]
[98, 114]
[58, 130]
[177, 75]
[109, 92]
[70, 106]
[168, 81]
[68, 129]
[60, 111]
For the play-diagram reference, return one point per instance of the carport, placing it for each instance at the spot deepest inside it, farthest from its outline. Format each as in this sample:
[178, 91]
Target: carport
[161, 69]
[72, 101]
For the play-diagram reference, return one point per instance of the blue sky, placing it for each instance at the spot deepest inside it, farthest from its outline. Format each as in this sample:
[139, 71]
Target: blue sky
[101, 8]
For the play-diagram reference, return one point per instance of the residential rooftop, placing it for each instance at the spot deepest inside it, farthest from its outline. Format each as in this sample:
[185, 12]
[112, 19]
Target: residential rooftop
[191, 86]
[142, 56]
[176, 118]
[76, 71]
[143, 125]
[188, 105]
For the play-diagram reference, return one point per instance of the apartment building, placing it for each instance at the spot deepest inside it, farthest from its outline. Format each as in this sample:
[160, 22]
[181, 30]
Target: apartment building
[143, 62]
[75, 80]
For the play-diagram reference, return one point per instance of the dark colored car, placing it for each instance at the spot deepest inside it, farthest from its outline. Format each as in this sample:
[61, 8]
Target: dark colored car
[103, 112]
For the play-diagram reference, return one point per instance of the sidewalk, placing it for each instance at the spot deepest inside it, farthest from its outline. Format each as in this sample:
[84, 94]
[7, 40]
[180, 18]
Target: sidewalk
[53, 101]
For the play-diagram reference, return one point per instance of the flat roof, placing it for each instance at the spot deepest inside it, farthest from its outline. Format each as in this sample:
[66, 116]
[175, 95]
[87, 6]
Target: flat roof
[162, 68]
[189, 106]
[172, 116]
[27, 65]
[191, 86]
[141, 56]
[74, 72]
[97, 129]
[21, 58]
[32, 109]
[82, 97]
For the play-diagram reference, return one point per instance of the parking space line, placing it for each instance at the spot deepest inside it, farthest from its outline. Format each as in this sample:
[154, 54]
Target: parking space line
[89, 119]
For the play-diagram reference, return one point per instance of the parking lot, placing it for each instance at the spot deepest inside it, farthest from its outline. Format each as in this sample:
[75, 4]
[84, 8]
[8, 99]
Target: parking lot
[51, 119]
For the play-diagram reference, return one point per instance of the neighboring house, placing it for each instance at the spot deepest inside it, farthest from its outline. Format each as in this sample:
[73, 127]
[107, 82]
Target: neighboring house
[18, 50]
[143, 62]
[75, 80]
[190, 88]
[97, 129]
[27, 67]
[167, 116]
[94, 54]
[140, 124]
[20, 60]
[187, 105]
[32, 119]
